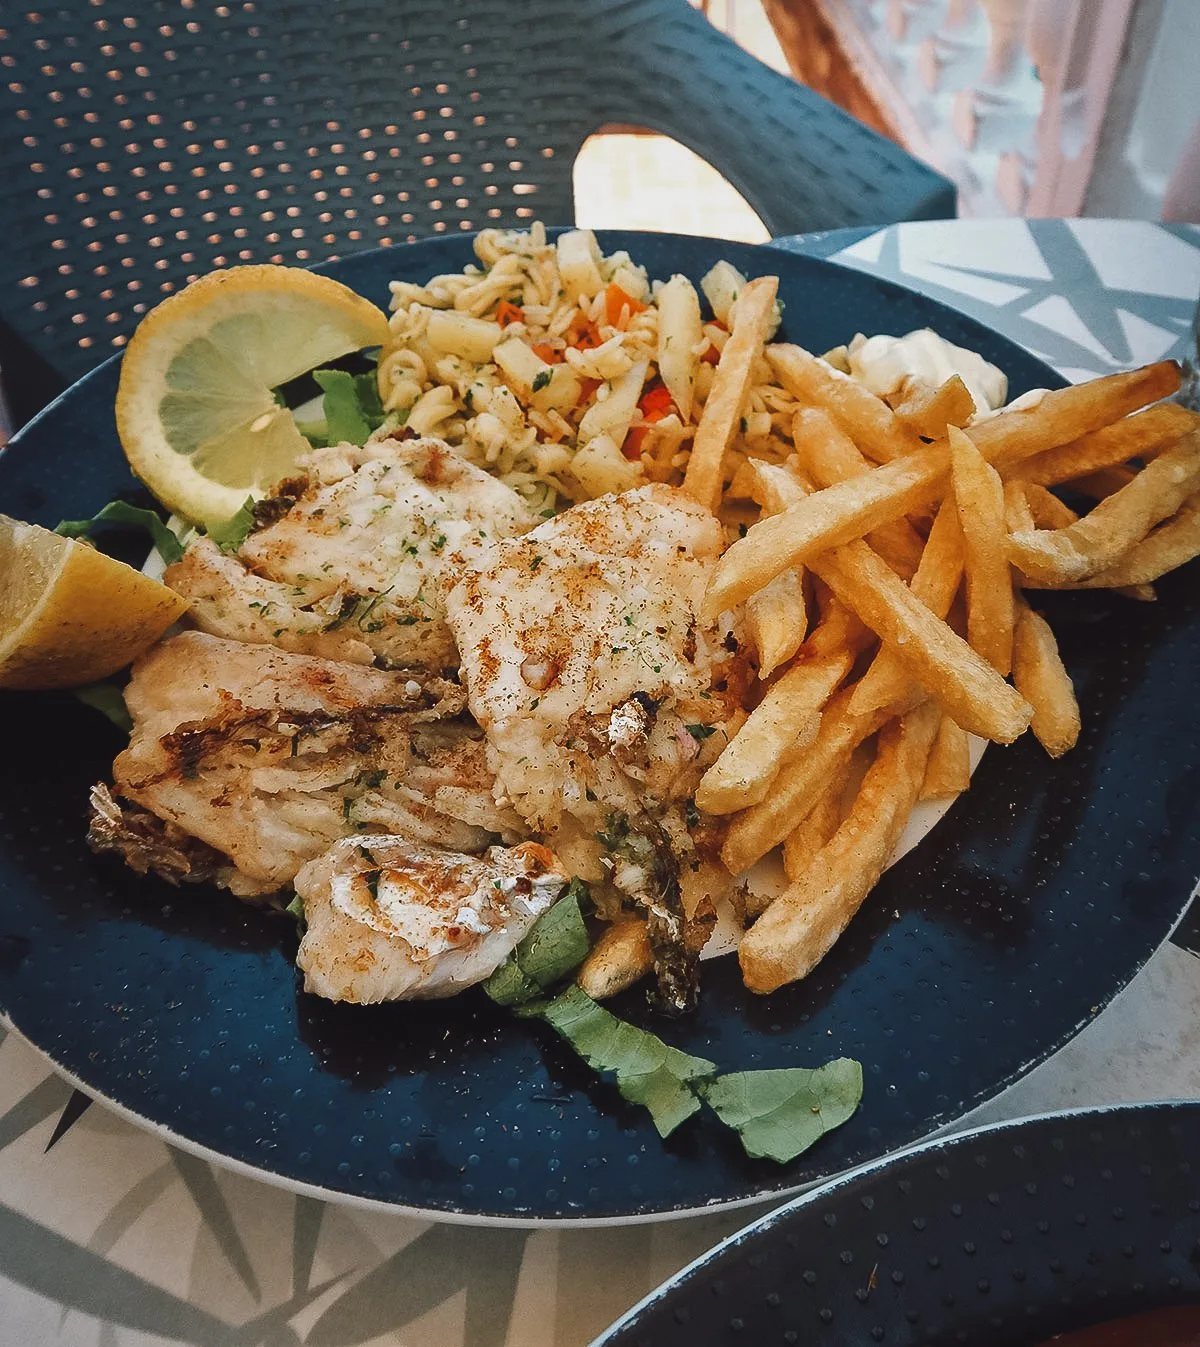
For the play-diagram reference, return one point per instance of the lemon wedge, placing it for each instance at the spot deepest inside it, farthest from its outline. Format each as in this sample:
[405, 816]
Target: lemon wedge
[70, 614]
[196, 409]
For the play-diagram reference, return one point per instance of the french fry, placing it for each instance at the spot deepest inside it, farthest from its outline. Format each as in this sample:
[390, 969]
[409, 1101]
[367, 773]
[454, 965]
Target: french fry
[1047, 510]
[777, 620]
[868, 420]
[814, 830]
[619, 958]
[1018, 515]
[824, 449]
[799, 784]
[1169, 546]
[828, 518]
[935, 585]
[752, 316]
[1098, 485]
[1137, 436]
[775, 488]
[969, 689]
[786, 720]
[1039, 674]
[948, 771]
[979, 496]
[839, 629]
[776, 615]
[1064, 414]
[829, 455]
[929, 411]
[800, 927]
[1098, 540]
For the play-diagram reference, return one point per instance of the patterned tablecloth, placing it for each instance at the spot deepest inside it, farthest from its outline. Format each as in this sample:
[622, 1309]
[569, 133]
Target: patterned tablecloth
[111, 1238]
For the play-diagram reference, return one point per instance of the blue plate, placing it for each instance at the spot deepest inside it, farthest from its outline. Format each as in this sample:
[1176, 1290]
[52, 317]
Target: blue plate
[996, 1238]
[1036, 899]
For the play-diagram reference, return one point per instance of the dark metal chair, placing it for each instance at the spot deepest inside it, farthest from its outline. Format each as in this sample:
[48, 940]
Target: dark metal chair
[148, 141]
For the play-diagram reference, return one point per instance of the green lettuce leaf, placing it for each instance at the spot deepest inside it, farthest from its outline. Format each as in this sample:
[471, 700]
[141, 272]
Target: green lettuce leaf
[295, 909]
[109, 700]
[780, 1114]
[351, 403]
[647, 1070]
[121, 512]
[777, 1114]
[230, 535]
[555, 947]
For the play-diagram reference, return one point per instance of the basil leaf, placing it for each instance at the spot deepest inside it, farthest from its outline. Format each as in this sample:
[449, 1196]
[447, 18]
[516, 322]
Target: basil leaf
[230, 535]
[109, 700]
[780, 1114]
[556, 946]
[352, 406]
[647, 1071]
[121, 512]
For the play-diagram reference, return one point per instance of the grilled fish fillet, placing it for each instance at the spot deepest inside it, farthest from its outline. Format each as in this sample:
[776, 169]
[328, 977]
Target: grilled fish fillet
[580, 641]
[270, 757]
[391, 920]
[354, 563]
[604, 698]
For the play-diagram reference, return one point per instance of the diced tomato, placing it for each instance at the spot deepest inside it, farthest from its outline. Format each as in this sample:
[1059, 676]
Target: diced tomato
[710, 355]
[615, 300]
[656, 402]
[509, 313]
[587, 390]
[550, 354]
[632, 448]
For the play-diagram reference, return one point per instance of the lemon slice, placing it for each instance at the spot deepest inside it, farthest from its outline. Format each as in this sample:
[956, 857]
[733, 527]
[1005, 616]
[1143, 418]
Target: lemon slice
[69, 614]
[196, 410]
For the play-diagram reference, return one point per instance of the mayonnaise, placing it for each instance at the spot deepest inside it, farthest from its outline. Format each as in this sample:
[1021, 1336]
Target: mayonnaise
[882, 363]
[1025, 403]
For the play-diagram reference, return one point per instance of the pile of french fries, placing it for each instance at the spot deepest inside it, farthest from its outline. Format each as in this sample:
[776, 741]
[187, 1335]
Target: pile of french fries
[886, 584]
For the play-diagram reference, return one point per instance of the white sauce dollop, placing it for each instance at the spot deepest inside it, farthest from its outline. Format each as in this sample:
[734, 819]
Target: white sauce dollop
[882, 363]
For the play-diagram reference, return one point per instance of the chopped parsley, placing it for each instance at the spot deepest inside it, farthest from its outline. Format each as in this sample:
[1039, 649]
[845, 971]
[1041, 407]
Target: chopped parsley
[700, 732]
[541, 380]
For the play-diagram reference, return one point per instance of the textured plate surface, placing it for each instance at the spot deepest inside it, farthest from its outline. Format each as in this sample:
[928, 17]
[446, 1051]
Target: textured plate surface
[998, 1238]
[1039, 895]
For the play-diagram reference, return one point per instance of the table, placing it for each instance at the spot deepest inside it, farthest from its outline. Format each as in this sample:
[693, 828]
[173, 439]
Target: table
[110, 1237]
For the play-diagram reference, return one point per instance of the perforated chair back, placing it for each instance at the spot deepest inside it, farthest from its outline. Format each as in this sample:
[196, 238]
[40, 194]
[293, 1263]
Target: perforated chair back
[148, 141]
